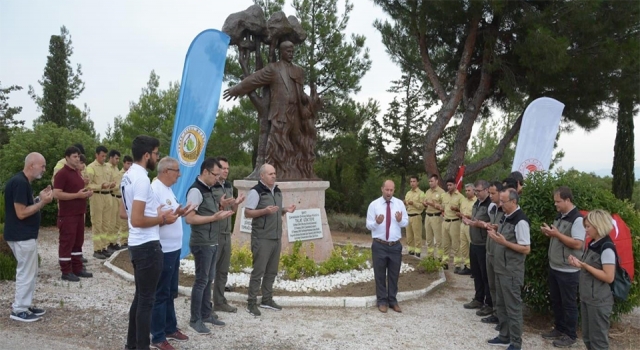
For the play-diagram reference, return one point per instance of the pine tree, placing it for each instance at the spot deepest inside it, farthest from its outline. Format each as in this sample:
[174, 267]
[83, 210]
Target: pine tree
[60, 83]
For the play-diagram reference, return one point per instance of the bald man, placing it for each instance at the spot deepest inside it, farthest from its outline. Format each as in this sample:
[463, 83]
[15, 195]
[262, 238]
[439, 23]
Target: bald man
[264, 206]
[386, 217]
[22, 222]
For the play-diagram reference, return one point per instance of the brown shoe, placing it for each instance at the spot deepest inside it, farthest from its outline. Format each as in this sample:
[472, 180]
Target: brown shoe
[396, 308]
[383, 308]
[162, 346]
[177, 336]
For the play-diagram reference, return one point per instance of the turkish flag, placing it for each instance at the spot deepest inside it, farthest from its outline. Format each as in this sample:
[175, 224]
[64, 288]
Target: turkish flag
[459, 177]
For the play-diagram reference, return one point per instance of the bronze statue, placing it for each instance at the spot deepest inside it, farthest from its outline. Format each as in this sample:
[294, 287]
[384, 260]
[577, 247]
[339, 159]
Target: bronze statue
[292, 132]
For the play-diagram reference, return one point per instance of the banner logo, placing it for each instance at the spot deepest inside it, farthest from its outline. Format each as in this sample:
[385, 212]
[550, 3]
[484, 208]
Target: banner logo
[530, 165]
[191, 144]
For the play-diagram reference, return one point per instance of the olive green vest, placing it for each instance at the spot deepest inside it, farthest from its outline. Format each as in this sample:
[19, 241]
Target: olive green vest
[592, 290]
[480, 212]
[496, 216]
[267, 226]
[205, 234]
[558, 252]
[218, 190]
[506, 261]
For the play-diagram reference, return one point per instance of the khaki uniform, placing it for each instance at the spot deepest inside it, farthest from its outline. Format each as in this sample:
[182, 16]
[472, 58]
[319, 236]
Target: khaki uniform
[433, 222]
[451, 225]
[118, 225]
[466, 208]
[100, 204]
[414, 229]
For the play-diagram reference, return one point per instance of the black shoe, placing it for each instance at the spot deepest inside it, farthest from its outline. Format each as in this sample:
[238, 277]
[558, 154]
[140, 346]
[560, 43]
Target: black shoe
[70, 277]
[84, 274]
[490, 319]
[464, 271]
[106, 253]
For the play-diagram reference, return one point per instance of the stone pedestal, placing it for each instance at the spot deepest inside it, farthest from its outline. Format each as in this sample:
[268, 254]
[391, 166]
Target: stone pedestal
[304, 195]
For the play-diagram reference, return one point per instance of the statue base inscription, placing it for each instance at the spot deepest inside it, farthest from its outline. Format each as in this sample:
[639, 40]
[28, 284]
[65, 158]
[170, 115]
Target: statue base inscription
[307, 224]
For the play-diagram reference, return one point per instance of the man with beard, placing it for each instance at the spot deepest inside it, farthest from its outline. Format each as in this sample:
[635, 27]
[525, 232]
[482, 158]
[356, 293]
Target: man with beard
[145, 216]
[386, 216]
[22, 222]
[72, 196]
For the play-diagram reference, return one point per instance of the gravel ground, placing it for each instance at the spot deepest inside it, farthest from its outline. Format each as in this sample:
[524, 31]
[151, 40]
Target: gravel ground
[93, 315]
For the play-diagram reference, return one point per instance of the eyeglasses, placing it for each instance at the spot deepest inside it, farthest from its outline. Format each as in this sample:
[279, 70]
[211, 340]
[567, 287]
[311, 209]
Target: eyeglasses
[477, 190]
[176, 170]
[211, 172]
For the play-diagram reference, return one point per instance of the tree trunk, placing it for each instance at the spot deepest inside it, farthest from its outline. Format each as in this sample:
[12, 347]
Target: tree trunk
[623, 150]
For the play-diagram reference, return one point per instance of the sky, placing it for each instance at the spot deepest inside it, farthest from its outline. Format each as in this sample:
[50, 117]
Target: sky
[119, 42]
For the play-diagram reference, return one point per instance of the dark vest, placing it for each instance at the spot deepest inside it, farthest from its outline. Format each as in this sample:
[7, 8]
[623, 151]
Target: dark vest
[480, 212]
[496, 216]
[506, 261]
[219, 190]
[558, 252]
[267, 226]
[592, 290]
[205, 234]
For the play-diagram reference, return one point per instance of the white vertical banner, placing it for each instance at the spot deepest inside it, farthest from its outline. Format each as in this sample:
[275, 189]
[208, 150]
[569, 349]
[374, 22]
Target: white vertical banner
[538, 132]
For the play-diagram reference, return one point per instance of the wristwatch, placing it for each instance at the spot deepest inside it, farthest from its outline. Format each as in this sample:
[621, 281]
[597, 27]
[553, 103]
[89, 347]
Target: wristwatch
[36, 200]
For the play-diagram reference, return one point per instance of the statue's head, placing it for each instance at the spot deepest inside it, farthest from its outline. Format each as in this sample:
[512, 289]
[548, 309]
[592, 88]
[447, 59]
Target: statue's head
[286, 51]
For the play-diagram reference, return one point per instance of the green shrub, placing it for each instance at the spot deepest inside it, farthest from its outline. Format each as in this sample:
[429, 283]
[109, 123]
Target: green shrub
[8, 262]
[241, 258]
[345, 259]
[347, 223]
[297, 264]
[2, 205]
[589, 193]
[429, 264]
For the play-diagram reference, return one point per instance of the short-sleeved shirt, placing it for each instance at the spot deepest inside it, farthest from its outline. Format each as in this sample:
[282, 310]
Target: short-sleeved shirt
[414, 196]
[450, 200]
[194, 196]
[170, 235]
[523, 231]
[18, 190]
[69, 180]
[434, 196]
[136, 186]
[253, 198]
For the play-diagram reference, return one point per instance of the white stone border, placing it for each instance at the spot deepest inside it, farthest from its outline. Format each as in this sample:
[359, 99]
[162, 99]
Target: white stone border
[367, 301]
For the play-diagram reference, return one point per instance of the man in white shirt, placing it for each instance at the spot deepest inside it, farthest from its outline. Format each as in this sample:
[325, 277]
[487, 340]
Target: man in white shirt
[164, 325]
[385, 218]
[145, 215]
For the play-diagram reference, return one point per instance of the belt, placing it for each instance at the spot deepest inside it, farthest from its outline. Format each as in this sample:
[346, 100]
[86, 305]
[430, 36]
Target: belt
[451, 220]
[413, 214]
[385, 242]
[102, 192]
[116, 195]
[434, 214]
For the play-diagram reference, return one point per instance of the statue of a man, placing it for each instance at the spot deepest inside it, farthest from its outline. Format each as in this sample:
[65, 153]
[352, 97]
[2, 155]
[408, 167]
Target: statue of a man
[292, 134]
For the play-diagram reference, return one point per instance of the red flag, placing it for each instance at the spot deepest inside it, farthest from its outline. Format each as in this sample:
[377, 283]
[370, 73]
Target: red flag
[459, 177]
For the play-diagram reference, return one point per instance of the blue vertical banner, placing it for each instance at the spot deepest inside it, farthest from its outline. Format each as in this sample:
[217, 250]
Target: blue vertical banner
[197, 109]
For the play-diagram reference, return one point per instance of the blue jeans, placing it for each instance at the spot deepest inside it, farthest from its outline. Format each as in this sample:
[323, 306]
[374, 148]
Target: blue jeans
[205, 261]
[146, 259]
[163, 317]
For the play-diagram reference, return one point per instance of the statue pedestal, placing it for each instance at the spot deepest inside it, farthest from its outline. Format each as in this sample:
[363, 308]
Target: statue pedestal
[304, 195]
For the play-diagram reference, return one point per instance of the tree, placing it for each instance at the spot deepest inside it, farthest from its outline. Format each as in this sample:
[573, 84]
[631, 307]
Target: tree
[153, 115]
[628, 96]
[333, 63]
[60, 83]
[7, 114]
[402, 128]
[480, 54]
[235, 134]
[79, 119]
